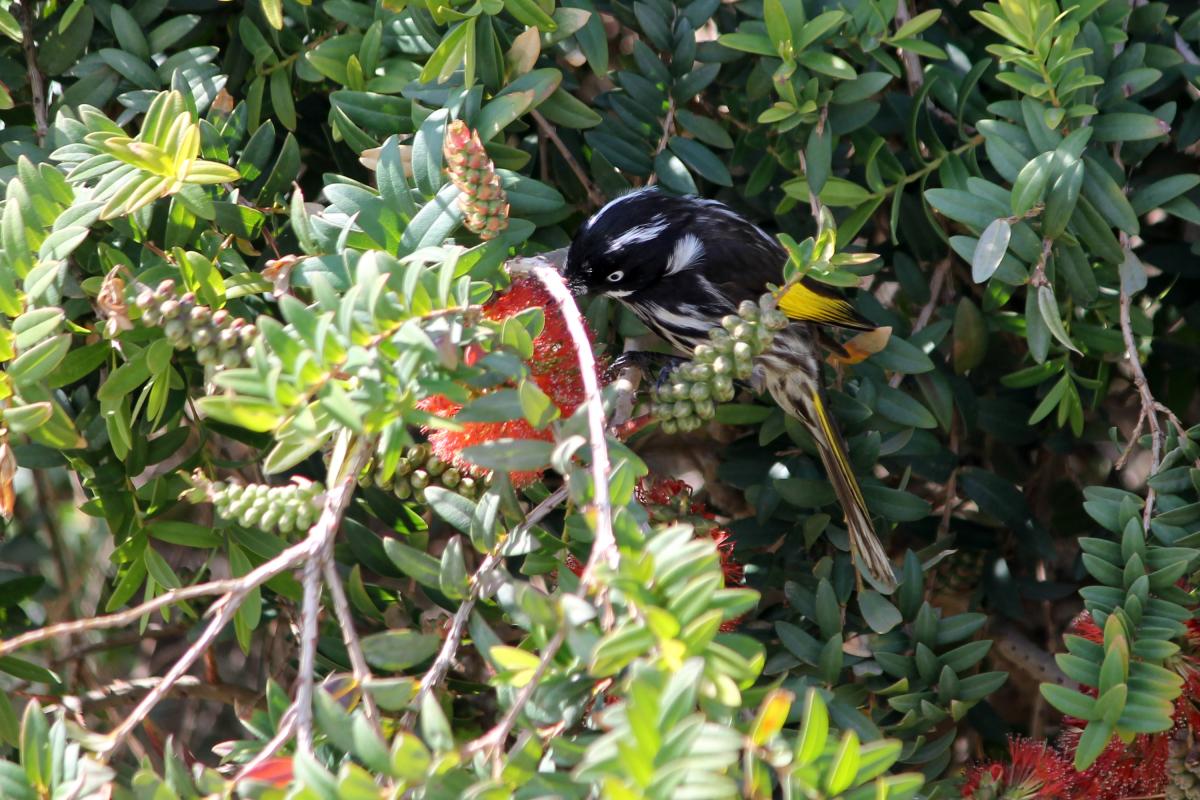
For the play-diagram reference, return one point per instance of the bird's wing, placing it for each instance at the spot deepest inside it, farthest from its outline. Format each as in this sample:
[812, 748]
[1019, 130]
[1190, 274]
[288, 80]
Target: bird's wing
[748, 259]
[810, 301]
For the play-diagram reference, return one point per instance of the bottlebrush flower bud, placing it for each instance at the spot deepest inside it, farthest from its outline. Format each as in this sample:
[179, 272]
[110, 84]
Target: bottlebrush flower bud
[483, 201]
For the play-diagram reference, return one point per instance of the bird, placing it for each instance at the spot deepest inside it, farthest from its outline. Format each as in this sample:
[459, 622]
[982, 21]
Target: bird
[681, 263]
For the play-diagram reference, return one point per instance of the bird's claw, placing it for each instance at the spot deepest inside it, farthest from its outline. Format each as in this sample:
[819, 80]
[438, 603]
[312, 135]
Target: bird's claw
[644, 361]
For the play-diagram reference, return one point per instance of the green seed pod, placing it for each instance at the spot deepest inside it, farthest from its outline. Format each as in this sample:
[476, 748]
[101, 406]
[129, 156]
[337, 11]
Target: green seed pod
[403, 467]
[705, 409]
[679, 390]
[682, 408]
[748, 309]
[269, 519]
[287, 523]
[689, 424]
[176, 332]
[169, 309]
[722, 366]
[742, 353]
[202, 337]
[730, 321]
[200, 315]
[151, 317]
[381, 482]
[669, 426]
[451, 478]
[145, 299]
[775, 319]
[705, 353]
[226, 338]
[718, 335]
[419, 479]
[435, 466]
[700, 391]
[704, 372]
[743, 332]
[165, 290]
[231, 359]
[249, 517]
[403, 489]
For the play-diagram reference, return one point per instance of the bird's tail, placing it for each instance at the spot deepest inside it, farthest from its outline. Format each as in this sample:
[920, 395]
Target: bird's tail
[864, 544]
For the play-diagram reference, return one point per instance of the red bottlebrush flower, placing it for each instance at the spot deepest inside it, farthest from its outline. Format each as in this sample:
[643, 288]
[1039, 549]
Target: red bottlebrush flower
[553, 367]
[1036, 771]
[670, 500]
[1140, 767]
[1123, 770]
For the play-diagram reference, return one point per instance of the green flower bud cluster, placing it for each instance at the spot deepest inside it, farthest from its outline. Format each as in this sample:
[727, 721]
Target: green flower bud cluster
[290, 507]
[420, 468]
[1183, 769]
[220, 339]
[692, 390]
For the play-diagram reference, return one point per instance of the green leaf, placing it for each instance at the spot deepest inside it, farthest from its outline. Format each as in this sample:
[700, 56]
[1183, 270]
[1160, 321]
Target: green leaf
[917, 24]
[510, 455]
[814, 729]
[397, 650]
[755, 43]
[993, 244]
[700, 159]
[38, 362]
[451, 507]
[1127, 127]
[880, 614]
[418, 565]
[1048, 306]
[844, 767]
[903, 409]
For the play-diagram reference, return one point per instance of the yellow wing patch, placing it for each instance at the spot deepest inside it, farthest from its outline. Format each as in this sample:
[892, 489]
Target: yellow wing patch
[801, 302]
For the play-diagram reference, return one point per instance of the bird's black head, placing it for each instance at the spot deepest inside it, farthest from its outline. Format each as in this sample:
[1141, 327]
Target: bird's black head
[631, 244]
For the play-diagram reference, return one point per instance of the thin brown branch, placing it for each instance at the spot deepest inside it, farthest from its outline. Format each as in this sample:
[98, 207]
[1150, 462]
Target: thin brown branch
[348, 460]
[493, 741]
[37, 85]
[358, 661]
[604, 547]
[445, 657]
[595, 196]
[119, 619]
[287, 727]
[935, 291]
[912, 64]
[1149, 404]
[668, 130]
[188, 687]
[337, 498]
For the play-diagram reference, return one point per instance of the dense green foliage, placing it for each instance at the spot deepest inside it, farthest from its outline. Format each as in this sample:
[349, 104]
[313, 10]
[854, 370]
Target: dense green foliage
[239, 290]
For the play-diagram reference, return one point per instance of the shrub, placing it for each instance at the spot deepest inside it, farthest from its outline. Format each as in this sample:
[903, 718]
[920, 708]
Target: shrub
[290, 392]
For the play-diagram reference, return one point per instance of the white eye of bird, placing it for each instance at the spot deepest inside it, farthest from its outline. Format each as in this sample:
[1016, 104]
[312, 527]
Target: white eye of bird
[613, 277]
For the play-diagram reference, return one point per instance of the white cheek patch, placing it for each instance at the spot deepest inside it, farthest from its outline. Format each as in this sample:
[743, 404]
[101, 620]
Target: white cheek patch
[687, 252]
[619, 293]
[639, 233]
